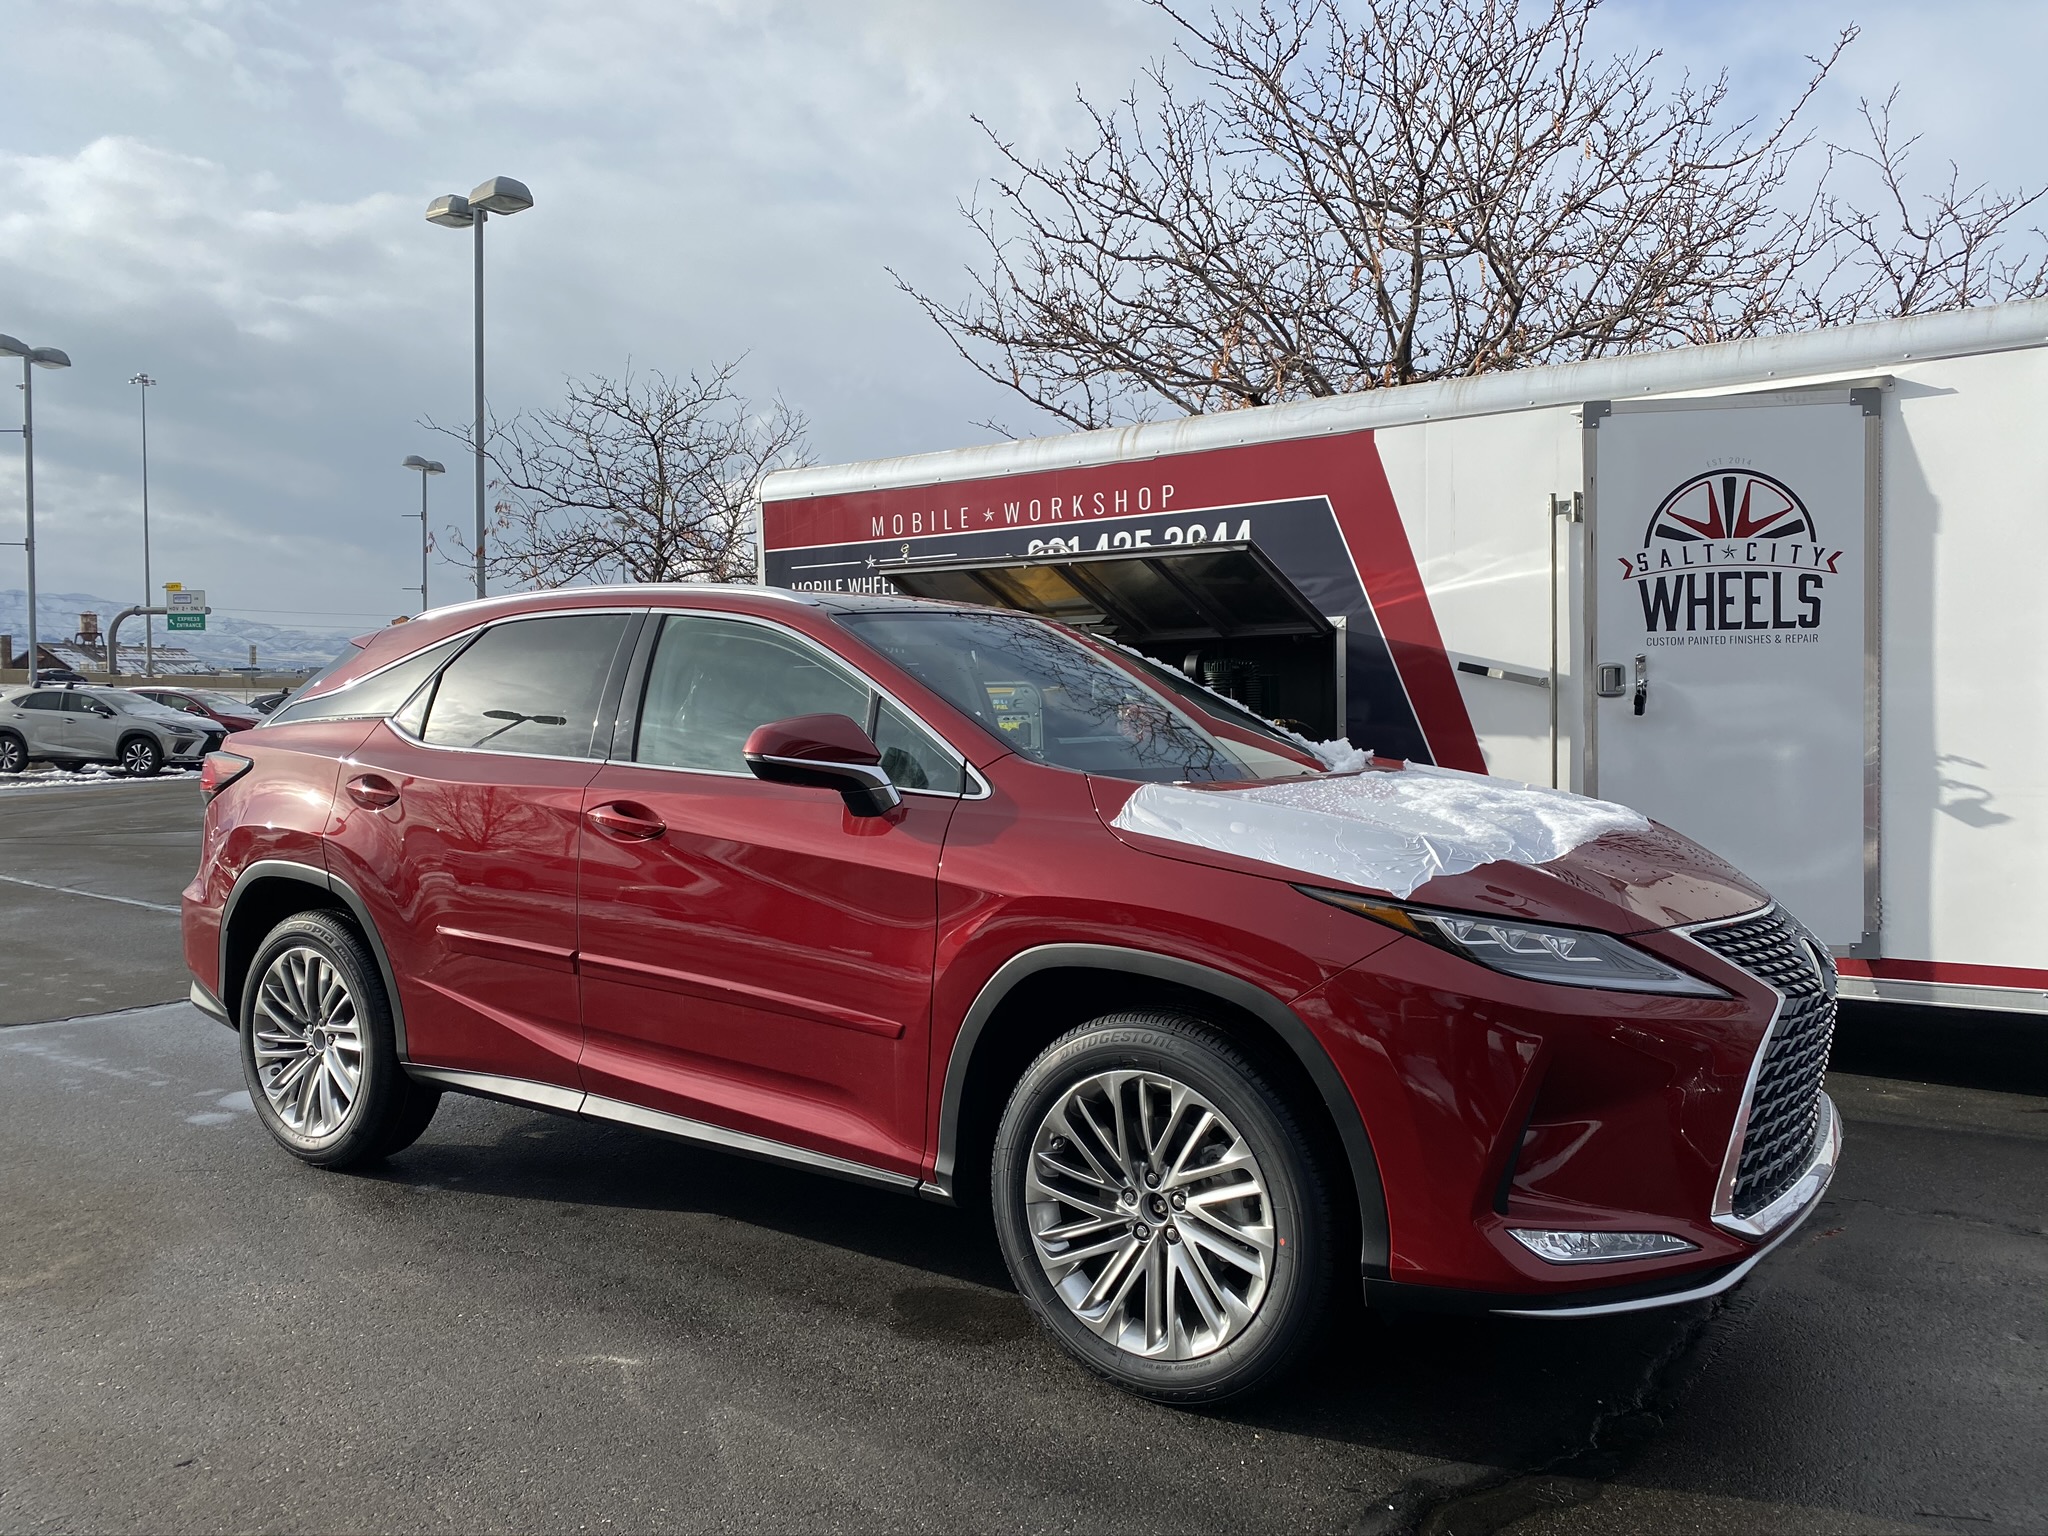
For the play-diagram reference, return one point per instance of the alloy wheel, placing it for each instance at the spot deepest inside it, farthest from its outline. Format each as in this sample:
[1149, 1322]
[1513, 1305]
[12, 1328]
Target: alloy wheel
[1149, 1215]
[141, 756]
[308, 1042]
[13, 756]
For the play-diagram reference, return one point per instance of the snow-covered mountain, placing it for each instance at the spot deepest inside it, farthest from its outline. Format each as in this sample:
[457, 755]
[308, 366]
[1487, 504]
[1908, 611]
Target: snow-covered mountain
[224, 643]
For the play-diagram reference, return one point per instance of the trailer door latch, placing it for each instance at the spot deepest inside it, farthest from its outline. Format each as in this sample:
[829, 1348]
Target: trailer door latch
[1642, 682]
[1607, 681]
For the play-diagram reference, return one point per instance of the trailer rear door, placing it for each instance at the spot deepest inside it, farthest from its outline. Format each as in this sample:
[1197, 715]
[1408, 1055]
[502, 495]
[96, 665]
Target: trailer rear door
[1733, 628]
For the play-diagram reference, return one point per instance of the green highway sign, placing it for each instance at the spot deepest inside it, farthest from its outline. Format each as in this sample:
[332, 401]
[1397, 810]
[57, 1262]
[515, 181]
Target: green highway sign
[184, 621]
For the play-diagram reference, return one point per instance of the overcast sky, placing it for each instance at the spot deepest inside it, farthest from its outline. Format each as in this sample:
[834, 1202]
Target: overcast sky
[228, 194]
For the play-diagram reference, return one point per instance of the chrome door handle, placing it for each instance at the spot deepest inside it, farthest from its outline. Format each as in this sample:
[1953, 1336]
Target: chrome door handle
[627, 822]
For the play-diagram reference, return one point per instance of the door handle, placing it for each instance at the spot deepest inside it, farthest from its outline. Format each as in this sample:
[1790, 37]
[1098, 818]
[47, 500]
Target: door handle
[626, 821]
[1642, 683]
[372, 791]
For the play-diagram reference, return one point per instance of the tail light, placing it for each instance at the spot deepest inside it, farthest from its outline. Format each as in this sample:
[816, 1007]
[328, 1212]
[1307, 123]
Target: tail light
[219, 770]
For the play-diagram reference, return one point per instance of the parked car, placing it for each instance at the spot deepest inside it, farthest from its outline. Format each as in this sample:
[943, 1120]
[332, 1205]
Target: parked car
[223, 709]
[73, 726]
[959, 903]
[59, 675]
[266, 703]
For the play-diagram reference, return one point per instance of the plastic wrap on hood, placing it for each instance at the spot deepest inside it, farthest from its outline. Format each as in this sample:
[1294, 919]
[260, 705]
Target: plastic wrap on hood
[1389, 830]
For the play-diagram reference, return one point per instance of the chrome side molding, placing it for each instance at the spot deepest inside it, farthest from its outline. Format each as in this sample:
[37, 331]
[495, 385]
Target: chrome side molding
[594, 1106]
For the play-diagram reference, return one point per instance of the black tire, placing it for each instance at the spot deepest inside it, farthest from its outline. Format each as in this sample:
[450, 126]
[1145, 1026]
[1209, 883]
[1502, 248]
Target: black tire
[13, 753]
[1303, 1231]
[67, 765]
[388, 1110]
[141, 756]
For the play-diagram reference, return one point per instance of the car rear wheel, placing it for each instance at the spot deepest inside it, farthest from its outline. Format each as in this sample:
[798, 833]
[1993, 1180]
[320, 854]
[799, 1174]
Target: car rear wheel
[318, 1049]
[142, 756]
[1161, 1209]
[13, 753]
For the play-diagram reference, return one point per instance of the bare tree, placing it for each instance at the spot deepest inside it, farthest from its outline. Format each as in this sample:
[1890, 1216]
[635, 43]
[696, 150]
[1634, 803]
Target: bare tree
[1943, 249]
[1349, 196]
[643, 478]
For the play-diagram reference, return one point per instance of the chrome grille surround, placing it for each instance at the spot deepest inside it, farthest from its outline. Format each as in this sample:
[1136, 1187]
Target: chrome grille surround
[1786, 1128]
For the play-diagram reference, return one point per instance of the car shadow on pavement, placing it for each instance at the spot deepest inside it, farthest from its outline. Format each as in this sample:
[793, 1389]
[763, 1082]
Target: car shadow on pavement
[1505, 1393]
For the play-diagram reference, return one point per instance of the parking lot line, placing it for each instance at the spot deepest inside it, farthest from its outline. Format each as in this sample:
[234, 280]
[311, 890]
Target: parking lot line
[65, 890]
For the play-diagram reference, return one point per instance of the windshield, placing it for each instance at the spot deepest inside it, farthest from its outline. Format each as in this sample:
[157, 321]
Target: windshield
[227, 703]
[126, 703]
[1050, 698]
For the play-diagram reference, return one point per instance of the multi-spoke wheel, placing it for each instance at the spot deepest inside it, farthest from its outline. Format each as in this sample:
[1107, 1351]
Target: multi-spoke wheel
[318, 1048]
[13, 753]
[309, 1042]
[1161, 1209]
[142, 756]
[1148, 1215]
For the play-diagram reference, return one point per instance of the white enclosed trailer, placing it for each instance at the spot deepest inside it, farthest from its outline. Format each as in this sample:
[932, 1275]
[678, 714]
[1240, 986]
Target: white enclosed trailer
[1783, 595]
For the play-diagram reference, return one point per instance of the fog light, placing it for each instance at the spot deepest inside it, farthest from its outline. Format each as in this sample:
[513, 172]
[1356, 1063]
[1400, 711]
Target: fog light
[1599, 1247]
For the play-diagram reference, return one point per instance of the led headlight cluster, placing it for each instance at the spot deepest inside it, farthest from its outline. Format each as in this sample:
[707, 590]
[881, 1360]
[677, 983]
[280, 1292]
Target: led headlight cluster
[1571, 957]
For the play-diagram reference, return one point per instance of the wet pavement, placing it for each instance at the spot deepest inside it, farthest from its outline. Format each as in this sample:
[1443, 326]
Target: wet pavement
[528, 1322]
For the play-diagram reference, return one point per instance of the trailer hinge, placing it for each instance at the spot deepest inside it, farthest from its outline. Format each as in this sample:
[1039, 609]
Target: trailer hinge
[1572, 506]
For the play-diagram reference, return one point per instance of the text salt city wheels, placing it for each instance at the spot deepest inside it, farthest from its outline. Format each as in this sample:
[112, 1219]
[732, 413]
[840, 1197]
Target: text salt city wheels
[1161, 1210]
[318, 1050]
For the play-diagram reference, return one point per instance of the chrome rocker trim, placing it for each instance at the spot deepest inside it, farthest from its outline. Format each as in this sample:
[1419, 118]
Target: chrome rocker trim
[594, 1106]
[1784, 1215]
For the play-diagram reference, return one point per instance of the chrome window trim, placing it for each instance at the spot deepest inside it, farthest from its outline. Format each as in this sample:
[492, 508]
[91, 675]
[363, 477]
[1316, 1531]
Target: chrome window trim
[980, 789]
[1722, 1212]
[465, 635]
[391, 720]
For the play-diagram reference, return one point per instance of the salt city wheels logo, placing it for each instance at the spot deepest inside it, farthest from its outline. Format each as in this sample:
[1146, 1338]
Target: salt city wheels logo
[1732, 556]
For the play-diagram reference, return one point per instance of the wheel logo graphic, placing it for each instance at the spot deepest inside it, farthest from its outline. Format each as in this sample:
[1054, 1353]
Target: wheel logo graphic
[1723, 505]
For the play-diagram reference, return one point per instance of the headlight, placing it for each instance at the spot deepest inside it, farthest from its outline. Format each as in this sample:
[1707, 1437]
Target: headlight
[1568, 957]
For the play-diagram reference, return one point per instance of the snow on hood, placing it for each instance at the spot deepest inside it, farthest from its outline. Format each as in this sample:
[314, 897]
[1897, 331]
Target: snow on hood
[1392, 831]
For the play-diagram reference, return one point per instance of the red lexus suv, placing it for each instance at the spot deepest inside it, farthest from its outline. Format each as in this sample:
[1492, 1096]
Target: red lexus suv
[974, 906]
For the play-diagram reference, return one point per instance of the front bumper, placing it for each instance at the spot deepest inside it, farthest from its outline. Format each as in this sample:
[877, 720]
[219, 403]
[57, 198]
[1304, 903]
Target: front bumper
[1776, 1222]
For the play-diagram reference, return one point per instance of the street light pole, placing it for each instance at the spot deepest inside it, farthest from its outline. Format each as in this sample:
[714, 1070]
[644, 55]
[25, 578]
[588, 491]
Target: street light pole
[39, 357]
[502, 195]
[148, 590]
[426, 467]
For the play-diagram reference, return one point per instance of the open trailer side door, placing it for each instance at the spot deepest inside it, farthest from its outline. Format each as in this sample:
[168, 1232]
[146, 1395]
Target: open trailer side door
[1733, 626]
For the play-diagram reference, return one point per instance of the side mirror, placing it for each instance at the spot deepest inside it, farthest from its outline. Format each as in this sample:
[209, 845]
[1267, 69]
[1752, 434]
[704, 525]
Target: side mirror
[824, 752]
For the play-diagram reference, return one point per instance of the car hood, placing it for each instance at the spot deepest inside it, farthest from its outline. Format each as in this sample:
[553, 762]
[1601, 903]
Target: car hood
[1441, 838]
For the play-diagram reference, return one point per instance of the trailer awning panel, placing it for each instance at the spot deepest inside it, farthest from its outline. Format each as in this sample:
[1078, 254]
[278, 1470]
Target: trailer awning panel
[1146, 596]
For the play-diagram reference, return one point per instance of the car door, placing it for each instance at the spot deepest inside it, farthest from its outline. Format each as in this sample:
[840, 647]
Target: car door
[753, 956]
[91, 729]
[457, 822]
[39, 717]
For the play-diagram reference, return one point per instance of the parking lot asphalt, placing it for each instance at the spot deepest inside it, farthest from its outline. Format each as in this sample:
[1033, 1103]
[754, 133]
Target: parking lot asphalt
[90, 873]
[529, 1322]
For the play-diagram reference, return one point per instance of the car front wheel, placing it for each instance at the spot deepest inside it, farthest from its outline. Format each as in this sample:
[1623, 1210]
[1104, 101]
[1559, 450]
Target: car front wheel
[1162, 1209]
[142, 756]
[319, 1052]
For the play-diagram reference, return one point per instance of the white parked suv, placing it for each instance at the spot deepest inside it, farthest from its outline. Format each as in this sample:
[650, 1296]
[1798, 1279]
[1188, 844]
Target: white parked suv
[72, 726]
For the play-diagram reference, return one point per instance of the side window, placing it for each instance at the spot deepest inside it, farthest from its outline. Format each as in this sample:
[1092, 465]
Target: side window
[531, 686]
[378, 694]
[40, 701]
[713, 681]
[911, 758]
